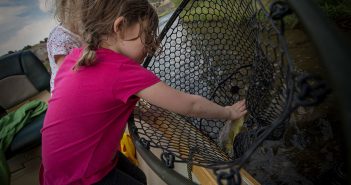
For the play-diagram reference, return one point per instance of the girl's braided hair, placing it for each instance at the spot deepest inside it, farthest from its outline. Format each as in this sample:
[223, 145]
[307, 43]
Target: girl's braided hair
[98, 18]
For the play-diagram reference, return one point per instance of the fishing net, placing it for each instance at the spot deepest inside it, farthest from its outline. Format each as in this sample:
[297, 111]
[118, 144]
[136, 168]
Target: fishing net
[224, 50]
[228, 50]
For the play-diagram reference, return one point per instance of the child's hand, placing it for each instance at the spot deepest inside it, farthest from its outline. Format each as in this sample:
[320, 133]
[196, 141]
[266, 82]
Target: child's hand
[236, 110]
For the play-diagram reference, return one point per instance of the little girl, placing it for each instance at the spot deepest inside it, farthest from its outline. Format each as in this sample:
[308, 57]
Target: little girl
[97, 88]
[64, 37]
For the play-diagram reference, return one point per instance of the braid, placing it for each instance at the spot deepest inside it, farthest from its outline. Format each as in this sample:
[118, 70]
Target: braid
[89, 53]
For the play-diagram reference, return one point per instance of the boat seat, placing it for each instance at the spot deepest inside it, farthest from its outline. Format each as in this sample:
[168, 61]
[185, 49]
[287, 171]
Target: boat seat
[23, 77]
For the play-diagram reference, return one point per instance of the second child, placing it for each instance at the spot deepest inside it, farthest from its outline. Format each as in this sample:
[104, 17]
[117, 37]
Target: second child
[65, 36]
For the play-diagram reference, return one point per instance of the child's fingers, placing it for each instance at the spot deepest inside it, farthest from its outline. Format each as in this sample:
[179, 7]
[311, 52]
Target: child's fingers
[242, 101]
[239, 109]
[242, 108]
[243, 113]
[236, 105]
[239, 105]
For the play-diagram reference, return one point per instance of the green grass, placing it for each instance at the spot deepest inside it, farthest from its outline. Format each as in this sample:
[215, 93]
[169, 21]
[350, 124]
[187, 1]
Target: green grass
[332, 8]
[208, 11]
[336, 8]
[214, 11]
[202, 14]
[176, 2]
[202, 11]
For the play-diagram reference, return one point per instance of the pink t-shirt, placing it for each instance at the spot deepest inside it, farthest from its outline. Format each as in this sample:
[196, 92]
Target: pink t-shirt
[87, 115]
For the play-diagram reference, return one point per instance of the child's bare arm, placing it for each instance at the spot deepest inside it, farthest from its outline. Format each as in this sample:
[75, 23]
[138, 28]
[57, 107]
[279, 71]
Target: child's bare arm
[171, 99]
[59, 59]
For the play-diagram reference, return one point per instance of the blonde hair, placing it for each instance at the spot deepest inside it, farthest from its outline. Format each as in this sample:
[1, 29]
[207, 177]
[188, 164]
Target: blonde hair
[98, 17]
[68, 14]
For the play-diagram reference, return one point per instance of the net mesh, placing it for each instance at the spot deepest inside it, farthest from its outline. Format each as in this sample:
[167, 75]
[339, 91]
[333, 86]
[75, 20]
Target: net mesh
[224, 50]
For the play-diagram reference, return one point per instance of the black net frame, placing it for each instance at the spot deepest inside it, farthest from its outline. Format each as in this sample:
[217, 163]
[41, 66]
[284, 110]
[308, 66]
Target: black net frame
[255, 65]
[201, 56]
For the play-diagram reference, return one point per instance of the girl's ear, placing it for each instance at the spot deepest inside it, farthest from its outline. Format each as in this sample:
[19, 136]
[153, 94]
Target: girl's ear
[117, 25]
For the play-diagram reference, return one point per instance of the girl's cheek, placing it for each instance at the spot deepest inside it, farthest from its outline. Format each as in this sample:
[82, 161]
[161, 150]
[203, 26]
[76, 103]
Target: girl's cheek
[144, 53]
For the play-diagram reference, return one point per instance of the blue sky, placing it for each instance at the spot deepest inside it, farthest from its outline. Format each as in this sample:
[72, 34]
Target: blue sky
[24, 22]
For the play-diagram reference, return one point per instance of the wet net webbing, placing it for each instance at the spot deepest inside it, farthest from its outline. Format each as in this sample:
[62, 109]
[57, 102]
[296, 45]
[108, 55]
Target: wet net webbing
[224, 50]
